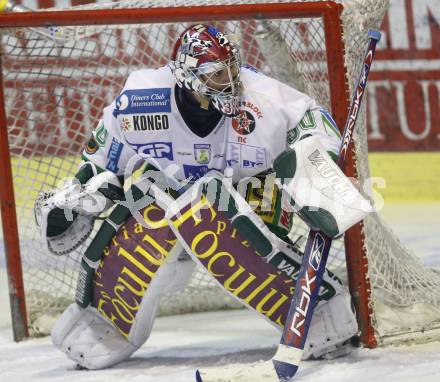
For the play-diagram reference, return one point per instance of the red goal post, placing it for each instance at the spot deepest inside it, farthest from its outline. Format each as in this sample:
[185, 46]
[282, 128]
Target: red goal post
[330, 13]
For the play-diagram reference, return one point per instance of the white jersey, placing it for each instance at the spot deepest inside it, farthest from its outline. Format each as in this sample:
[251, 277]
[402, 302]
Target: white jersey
[144, 121]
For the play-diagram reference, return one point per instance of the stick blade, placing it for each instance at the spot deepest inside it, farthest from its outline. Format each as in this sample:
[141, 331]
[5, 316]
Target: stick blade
[259, 371]
[198, 377]
[284, 370]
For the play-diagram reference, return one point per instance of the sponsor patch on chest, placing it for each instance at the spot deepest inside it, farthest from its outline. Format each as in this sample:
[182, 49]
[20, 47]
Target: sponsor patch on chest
[245, 156]
[145, 122]
[143, 101]
[154, 149]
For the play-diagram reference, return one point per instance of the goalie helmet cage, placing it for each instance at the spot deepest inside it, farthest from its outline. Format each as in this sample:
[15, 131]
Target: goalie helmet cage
[57, 80]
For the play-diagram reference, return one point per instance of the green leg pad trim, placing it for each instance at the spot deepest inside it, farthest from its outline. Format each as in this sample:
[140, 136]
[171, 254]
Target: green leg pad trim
[120, 214]
[94, 252]
[84, 287]
[100, 241]
[232, 209]
[285, 164]
[320, 219]
[136, 193]
[112, 192]
[252, 234]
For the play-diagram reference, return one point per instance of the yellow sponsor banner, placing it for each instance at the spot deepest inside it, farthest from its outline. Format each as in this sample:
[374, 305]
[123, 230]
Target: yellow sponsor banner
[129, 265]
[210, 236]
[411, 177]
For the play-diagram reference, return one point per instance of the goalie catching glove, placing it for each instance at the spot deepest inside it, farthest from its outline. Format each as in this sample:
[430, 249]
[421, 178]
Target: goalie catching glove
[319, 191]
[66, 216]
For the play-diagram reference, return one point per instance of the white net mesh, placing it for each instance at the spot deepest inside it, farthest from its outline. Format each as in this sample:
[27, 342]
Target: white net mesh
[405, 293]
[55, 93]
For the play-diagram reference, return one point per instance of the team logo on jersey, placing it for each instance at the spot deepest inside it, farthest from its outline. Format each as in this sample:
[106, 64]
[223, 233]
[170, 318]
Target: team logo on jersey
[244, 123]
[114, 153]
[202, 153]
[156, 150]
[91, 146]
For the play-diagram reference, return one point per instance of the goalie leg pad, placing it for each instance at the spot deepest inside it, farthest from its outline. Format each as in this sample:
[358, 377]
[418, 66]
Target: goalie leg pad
[171, 277]
[94, 342]
[333, 323]
[248, 267]
[88, 339]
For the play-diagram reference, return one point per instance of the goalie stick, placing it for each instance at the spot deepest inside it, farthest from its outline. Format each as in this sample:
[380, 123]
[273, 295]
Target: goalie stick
[286, 361]
[290, 349]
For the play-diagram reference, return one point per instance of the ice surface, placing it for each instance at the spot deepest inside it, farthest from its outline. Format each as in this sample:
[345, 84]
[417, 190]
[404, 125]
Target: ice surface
[181, 344]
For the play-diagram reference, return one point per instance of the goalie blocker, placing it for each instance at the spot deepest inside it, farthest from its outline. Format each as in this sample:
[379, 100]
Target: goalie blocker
[145, 260]
[319, 191]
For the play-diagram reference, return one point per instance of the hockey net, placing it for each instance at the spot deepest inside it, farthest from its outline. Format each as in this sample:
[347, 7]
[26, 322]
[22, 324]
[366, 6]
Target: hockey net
[54, 95]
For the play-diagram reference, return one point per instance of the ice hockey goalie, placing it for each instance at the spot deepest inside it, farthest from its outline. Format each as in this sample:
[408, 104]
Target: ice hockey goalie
[213, 139]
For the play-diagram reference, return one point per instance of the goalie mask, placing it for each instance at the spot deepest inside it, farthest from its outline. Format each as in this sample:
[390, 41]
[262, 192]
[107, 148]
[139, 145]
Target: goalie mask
[206, 62]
